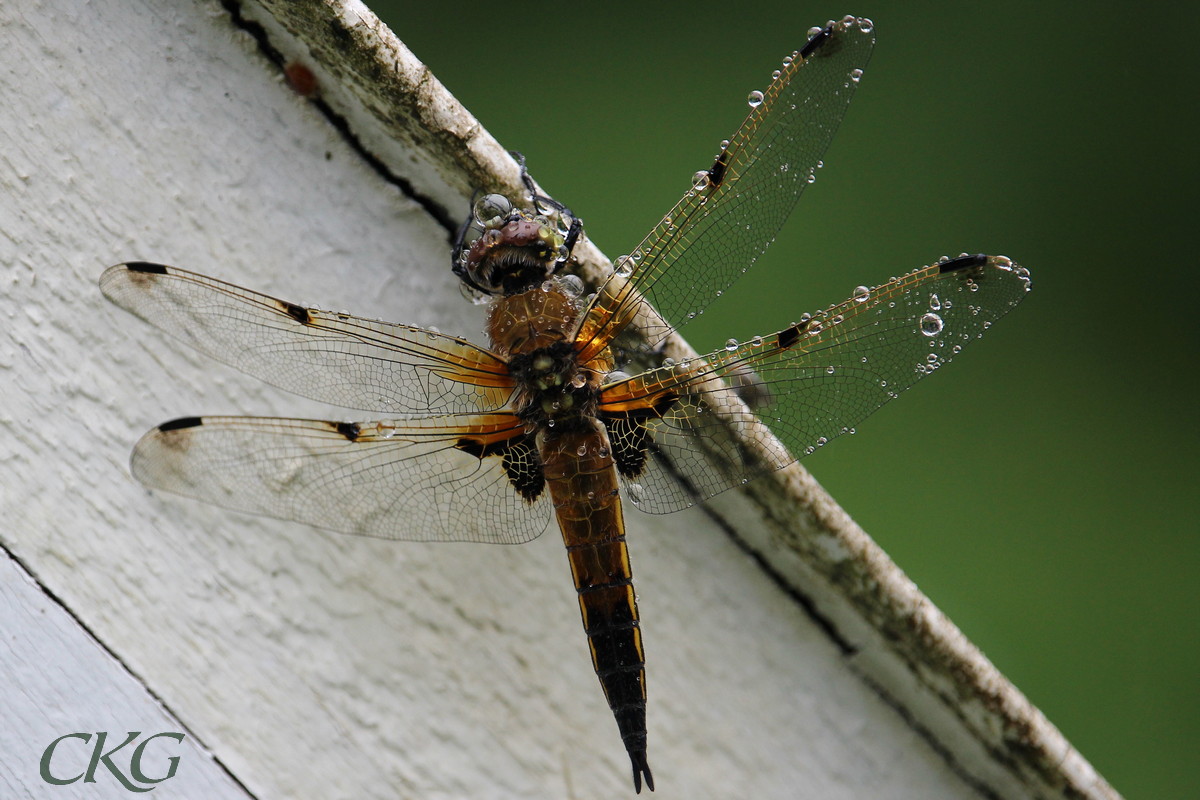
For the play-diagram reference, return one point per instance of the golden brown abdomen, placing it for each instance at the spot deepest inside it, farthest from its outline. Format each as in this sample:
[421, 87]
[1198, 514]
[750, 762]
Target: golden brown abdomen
[582, 480]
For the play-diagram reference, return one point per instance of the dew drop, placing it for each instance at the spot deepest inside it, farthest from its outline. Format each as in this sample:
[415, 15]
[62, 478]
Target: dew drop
[755, 99]
[731, 345]
[491, 209]
[861, 294]
[570, 285]
[623, 266]
[931, 324]
[856, 75]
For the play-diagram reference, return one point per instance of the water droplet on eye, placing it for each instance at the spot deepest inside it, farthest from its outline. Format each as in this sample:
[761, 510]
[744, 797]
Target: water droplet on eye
[755, 99]
[491, 209]
[623, 266]
[861, 294]
[731, 344]
[931, 324]
[856, 75]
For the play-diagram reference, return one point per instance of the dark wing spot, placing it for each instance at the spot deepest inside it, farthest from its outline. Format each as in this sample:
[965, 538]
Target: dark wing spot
[820, 40]
[178, 424]
[473, 447]
[962, 262]
[146, 266]
[789, 336]
[524, 468]
[520, 460]
[298, 313]
[630, 440]
[348, 429]
[717, 173]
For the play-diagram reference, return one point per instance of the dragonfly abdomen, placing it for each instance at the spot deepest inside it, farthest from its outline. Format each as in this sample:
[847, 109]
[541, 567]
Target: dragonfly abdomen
[582, 478]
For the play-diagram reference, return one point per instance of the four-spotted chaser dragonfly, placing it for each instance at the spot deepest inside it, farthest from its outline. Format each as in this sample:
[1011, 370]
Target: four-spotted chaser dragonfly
[486, 444]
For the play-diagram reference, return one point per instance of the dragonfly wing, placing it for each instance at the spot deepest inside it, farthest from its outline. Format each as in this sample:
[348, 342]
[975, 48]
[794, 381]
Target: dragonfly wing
[437, 479]
[331, 357]
[734, 210]
[809, 383]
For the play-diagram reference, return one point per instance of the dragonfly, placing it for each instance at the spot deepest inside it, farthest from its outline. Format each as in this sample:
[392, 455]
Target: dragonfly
[487, 444]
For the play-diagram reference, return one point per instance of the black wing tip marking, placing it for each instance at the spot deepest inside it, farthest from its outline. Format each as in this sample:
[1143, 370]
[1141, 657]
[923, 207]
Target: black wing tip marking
[963, 262]
[816, 41]
[180, 424]
[146, 267]
[640, 768]
[296, 312]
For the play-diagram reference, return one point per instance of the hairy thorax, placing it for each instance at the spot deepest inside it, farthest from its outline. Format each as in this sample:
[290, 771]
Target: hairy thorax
[533, 329]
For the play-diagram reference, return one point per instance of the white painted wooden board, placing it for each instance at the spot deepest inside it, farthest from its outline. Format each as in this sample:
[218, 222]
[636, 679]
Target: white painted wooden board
[314, 665]
[59, 681]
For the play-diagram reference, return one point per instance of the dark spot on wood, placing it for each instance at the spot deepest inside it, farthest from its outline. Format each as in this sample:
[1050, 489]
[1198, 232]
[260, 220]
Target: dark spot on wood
[962, 262]
[179, 424]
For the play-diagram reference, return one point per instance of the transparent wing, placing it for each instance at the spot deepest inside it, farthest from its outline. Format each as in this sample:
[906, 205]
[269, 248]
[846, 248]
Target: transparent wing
[734, 210]
[810, 382]
[421, 480]
[334, 358]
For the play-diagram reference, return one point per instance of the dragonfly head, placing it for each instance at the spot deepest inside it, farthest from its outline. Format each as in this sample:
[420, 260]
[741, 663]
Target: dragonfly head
[503, 249]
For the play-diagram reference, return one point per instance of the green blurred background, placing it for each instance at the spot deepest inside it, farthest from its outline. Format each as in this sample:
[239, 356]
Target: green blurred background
[1041, 491]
